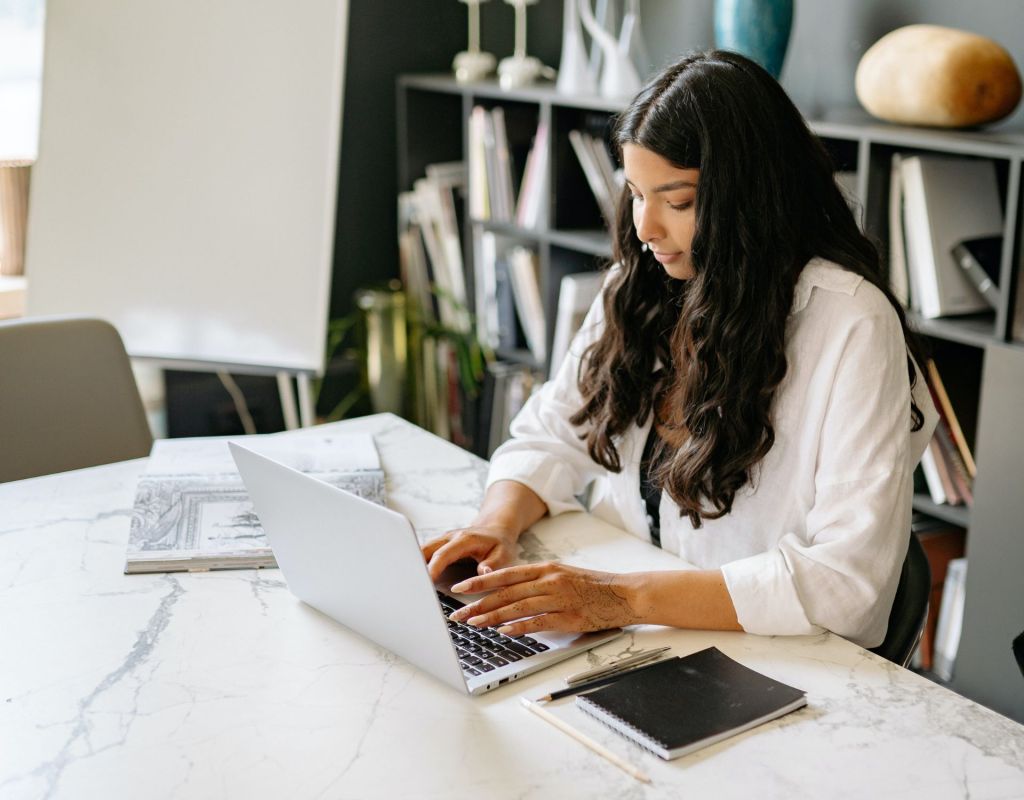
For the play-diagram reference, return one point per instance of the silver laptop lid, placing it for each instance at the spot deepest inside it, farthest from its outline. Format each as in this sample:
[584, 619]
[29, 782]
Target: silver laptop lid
[355, 561]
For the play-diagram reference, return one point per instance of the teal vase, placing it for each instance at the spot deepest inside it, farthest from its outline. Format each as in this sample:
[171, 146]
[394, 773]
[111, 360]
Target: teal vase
[758, 29]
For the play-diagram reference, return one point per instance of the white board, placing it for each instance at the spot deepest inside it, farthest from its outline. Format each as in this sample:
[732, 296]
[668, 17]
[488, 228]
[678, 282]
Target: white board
[187, 173]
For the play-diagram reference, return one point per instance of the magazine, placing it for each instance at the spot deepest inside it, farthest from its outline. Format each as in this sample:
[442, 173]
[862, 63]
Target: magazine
[192, 511]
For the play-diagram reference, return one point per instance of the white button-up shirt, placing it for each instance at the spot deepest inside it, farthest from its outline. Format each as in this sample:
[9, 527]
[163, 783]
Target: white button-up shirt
[817, 540]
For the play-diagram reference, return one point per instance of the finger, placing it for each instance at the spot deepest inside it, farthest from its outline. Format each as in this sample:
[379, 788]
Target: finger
[433, 545]
[499, 578]
[497, 599]
[455, 550]
[499, 557]
[556, 621]
[527, 607]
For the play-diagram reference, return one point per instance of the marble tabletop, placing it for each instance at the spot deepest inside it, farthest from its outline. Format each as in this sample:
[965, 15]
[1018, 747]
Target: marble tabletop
[223, 684]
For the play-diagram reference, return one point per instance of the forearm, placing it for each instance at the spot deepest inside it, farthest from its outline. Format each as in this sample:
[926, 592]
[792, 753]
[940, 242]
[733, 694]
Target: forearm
[696, 599]
[510, 505]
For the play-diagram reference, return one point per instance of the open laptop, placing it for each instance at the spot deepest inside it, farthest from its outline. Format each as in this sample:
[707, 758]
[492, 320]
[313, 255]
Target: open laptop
[360, 564]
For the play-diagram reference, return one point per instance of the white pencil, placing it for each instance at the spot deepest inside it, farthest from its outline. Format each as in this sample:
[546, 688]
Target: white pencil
[585, 740]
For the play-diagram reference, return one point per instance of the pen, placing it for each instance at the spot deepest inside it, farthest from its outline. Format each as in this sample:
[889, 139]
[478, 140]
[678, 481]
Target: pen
[607, 669]
[602, 681]
[586, 741]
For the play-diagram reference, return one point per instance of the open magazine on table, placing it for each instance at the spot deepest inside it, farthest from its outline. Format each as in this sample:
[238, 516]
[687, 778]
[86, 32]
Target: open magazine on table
[192, 511]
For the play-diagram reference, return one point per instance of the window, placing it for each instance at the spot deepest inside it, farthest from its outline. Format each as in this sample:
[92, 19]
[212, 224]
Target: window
[21, 70]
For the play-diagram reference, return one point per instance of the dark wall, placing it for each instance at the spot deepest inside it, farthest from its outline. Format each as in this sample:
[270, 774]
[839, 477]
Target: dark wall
[386, 39]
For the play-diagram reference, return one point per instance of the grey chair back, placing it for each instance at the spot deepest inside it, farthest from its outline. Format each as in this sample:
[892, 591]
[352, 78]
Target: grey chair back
[68, 398]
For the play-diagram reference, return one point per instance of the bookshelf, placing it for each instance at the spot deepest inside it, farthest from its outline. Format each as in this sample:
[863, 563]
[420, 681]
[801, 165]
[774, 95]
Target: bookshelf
[975, 354]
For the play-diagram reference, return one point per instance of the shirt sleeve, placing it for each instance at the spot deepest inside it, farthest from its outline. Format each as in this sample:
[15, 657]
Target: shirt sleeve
[841, 572]
[546, 452]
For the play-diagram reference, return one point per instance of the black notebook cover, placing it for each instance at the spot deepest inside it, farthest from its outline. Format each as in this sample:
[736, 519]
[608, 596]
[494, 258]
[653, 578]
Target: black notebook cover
[683, 704]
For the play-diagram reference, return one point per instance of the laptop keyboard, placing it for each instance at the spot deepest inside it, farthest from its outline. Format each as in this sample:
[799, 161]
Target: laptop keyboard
[482, 649]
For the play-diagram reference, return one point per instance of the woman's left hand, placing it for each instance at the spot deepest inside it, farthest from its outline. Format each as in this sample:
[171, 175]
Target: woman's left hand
[548, 597]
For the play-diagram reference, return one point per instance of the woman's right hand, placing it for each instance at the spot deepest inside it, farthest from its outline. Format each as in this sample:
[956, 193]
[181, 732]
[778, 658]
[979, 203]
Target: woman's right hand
[491, 546]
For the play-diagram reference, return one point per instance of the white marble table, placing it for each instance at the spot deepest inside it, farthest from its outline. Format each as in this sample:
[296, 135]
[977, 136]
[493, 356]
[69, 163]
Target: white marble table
[222, 684]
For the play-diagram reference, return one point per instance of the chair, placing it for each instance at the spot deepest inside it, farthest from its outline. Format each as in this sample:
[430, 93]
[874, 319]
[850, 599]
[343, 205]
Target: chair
[68, 398]
[909, 607]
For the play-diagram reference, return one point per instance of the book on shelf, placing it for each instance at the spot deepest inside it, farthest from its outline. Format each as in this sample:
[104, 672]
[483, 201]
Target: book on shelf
[438, 224]
[526, 292]
[479, 205]
[534, 187]
[412, 258]
[941, 543]
[946, 200]
[929, 466]
[576, 294]
[604, 193]
[899, 278]
[192, 511]
[950, 621]
[503, 191]
[507, 387]
[485, 284]
[681, 705]
[979, 259]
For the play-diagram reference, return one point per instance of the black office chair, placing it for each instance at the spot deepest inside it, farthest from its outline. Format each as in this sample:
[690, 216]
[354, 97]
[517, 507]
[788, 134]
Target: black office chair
[909, 607]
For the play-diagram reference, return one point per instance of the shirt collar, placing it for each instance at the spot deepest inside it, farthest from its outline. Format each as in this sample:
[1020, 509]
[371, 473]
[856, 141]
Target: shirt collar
[826, 275]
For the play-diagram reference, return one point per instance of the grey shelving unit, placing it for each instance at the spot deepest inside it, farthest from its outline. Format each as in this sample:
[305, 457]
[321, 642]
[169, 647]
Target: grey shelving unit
[981, 365]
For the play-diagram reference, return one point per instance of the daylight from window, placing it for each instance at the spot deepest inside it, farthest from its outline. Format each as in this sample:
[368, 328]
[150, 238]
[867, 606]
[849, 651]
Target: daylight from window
[21, 69]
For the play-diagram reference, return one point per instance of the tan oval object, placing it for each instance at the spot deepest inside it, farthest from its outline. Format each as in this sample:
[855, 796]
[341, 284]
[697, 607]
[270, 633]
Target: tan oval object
[930, 75]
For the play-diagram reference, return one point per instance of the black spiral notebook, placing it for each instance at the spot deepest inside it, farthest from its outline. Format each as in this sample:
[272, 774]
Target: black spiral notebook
[684, 704]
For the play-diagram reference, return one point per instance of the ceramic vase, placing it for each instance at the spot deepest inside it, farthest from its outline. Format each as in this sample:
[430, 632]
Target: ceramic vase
[574, 75]
[758, 29]
[619, 77]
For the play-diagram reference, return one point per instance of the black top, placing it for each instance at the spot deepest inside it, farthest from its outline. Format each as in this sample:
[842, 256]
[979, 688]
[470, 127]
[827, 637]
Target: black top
[651, 493]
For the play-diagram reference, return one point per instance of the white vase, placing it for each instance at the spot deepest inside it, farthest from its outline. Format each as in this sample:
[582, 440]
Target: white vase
[631, 40]
[573, 70]
[619, 77]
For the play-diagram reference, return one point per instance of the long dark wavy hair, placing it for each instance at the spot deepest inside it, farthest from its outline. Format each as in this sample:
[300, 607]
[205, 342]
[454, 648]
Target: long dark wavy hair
[766, 203]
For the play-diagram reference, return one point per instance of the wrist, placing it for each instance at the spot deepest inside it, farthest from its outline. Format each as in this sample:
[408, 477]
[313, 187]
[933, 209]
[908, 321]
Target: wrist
[632, 588]
[500, 524]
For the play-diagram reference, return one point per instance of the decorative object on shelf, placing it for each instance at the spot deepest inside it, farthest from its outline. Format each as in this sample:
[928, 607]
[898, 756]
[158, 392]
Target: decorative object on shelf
[631, 39]
[619, 76]
[943, 77]
[574, 76]
[758, 29]
[473, 64]
[14, 180]
[520, 69]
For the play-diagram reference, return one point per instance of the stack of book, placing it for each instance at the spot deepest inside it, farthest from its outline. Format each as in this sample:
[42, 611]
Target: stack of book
[942, 544]
[604, 179]
[492, 171]
[507, 387]
[948, 465]
[433, 275]
[938, 205]
[510, 311]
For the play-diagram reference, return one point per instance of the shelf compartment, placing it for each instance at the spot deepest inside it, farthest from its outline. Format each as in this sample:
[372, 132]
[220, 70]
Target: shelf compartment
[955, 515]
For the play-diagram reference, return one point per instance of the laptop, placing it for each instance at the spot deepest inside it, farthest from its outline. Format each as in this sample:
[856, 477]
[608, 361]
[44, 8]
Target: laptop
[360, 564]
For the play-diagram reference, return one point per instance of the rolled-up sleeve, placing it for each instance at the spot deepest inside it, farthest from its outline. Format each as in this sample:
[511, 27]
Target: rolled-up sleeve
[841, 571]
[546, 452]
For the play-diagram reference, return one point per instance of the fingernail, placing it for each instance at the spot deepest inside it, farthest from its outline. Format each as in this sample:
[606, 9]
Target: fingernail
[484, 569]
[505, 629]
[475, 621]
[459, 587]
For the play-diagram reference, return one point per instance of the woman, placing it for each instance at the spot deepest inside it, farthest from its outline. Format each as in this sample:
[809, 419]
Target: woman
[743, 392]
